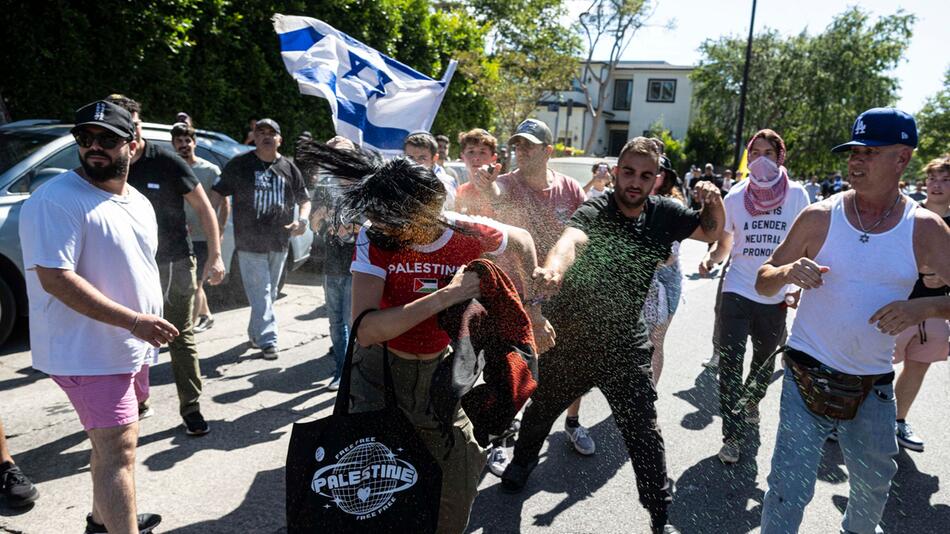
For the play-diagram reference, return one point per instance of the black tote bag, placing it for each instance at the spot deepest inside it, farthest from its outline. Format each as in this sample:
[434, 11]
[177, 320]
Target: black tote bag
[361, 472]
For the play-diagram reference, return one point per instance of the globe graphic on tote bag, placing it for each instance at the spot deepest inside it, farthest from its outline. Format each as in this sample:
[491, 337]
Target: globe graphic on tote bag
[365, 478]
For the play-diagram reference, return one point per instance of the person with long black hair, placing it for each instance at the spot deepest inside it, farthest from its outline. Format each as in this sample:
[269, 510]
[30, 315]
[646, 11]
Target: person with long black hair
[409, 266]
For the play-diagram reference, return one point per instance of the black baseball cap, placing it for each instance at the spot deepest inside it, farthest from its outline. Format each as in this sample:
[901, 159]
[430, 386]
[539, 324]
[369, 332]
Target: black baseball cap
[882, 127]
[668, 169]
[268, 122]
[105, 115]
[534, 131]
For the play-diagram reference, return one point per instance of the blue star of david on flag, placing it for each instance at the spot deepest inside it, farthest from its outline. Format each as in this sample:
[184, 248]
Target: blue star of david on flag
[376, 101]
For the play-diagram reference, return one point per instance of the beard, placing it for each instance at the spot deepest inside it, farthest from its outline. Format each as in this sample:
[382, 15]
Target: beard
[118, 167]
[621, 199]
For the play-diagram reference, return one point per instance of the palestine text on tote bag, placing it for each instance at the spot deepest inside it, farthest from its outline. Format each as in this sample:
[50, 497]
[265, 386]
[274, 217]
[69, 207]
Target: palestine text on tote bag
[361, 472]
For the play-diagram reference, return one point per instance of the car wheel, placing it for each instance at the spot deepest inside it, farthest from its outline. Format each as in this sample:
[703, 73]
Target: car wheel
[8, 311]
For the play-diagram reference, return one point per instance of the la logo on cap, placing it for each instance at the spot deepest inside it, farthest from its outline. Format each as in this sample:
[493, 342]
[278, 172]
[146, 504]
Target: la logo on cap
[859, 127]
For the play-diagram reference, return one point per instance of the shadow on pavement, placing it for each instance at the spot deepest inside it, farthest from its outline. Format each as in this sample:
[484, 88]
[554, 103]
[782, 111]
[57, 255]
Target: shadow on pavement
[561, 471]
[318, 312]
[50, 461]
[704, 396]
[261, 426]
[720, 499]
[261, 512]
[28, 376]
[909, 507]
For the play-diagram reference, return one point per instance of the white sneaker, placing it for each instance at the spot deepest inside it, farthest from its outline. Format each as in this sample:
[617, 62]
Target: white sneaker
[334, 384]
[498, 460]
[908, 439]
[580, 438]
[712, 362]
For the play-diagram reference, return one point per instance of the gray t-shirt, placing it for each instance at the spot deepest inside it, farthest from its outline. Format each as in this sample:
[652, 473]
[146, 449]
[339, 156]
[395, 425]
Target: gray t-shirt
[208, 174]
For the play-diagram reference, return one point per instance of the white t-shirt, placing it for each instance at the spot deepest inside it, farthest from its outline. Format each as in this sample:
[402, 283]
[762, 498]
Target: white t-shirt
[755, 238]
[594, 193]
[208, 174]
[451, 187]
[110, 241]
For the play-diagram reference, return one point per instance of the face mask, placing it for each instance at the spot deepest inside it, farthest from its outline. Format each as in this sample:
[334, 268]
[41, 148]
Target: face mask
[762, 171]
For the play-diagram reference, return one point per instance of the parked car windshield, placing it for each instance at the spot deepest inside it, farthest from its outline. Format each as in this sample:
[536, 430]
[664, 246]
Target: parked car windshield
[16, 145]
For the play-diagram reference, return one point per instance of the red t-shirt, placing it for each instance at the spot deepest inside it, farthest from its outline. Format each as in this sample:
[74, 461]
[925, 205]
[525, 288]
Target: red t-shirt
[545, 213]
[470, 201]
[414, 272]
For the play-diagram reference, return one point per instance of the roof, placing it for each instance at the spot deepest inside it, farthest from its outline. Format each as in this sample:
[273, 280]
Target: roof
[645, 65]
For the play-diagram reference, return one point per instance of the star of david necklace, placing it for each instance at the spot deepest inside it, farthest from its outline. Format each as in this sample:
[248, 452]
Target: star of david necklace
[864, 236]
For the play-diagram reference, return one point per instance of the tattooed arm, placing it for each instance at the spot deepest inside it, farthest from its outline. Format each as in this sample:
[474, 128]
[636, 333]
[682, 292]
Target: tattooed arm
[712, 218]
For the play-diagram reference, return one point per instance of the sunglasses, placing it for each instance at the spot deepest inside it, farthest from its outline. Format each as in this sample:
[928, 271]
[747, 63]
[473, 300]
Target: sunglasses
[107, 141]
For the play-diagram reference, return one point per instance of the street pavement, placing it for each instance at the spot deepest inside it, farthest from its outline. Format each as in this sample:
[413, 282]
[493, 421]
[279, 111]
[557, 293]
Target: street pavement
[232, 480]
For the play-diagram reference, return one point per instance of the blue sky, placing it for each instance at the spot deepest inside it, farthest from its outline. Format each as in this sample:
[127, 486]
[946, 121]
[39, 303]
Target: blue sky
[920, 73]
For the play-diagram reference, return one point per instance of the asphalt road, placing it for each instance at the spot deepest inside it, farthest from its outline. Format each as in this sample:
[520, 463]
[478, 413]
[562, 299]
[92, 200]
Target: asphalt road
[232, 480]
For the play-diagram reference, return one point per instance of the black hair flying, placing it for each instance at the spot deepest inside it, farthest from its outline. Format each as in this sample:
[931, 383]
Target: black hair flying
[395, 193]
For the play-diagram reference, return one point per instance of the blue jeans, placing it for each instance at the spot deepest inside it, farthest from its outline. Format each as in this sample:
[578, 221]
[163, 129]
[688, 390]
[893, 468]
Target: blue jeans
[867, 442]
[260, 272]
[337, 288]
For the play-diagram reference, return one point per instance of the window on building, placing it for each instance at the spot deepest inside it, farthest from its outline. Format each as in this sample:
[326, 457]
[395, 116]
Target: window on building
[623, 92]
[661, 91]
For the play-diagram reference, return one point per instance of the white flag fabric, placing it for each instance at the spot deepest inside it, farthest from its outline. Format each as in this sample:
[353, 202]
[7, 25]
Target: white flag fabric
[376, 101]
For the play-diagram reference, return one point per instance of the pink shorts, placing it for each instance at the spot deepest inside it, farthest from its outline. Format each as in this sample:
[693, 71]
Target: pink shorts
[106, 401]
[924, 343]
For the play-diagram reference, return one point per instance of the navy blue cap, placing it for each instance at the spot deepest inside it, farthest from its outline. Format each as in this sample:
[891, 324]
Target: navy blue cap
[881, 127]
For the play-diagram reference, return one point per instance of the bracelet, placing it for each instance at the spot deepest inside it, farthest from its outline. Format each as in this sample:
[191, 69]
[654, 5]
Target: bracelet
[134, 324]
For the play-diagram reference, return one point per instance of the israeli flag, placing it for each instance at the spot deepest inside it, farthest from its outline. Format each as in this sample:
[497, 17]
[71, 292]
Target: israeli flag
[376, 101]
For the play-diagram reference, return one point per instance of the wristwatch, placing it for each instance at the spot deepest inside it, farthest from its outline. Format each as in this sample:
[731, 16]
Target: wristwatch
[303, 221]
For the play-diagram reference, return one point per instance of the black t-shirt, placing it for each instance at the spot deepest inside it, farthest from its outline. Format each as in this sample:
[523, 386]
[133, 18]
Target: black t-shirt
[165, 178]
[264, 196]
[920, 290]
[603, 291]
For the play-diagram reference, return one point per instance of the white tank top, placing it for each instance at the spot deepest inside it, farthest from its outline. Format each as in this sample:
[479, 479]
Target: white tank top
[832, 321]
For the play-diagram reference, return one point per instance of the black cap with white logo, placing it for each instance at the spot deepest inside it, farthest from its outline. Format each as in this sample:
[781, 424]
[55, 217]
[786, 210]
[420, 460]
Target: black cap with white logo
[105, 115]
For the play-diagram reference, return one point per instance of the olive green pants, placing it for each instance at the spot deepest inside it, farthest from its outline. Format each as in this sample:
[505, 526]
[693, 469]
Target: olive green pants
[178, 287]
[462, 469]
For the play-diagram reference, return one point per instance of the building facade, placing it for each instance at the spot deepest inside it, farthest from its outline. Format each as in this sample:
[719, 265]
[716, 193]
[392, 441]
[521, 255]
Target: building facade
[639, 94]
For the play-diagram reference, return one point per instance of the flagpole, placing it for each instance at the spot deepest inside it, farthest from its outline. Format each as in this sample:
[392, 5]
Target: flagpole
[745, 82]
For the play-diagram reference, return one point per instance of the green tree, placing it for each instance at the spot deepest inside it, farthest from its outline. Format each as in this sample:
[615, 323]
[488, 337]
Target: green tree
[933, 123]
[530, 54]
[674, 148]
[217, 59]
[808, 88]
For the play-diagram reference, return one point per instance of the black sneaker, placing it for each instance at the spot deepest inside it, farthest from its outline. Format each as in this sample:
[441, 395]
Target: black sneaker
[145, 411]
[15, 487]
[516, 476]
[147, 522]
[195, 424]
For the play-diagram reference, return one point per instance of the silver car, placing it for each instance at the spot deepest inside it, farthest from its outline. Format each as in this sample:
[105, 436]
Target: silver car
[32, 152]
